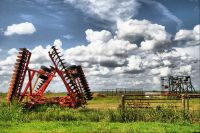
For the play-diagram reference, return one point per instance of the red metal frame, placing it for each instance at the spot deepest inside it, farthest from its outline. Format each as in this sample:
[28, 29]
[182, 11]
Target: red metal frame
[75, 95]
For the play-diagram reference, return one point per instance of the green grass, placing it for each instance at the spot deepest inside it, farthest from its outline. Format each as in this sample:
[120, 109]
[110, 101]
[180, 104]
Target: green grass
[56, 113]
[97, 117]
[103, 127]
[108, 102]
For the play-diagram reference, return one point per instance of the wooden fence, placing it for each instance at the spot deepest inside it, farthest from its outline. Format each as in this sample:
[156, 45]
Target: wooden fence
[157, 100]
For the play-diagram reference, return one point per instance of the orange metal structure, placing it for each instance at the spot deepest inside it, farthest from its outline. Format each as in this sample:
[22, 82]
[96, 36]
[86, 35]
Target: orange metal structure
[77, 89]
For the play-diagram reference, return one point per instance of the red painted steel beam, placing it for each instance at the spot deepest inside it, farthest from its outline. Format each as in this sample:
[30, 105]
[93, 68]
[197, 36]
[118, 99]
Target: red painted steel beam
[27, 86]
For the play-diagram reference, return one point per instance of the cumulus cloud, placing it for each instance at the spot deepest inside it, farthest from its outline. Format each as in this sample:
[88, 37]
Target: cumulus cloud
[166, 62]
[192, 51]
[58, 43]
[185, 69]
[0, 49]
[93, 36]
[137, 82]
[12, 51]
[134, 62]
[110, 10]
[116, 59]
[165, 71]
[152, 35]
[156, 80]
[20, 29]
[188, 37]
[154, 71]
[39, 54]
[103, 49]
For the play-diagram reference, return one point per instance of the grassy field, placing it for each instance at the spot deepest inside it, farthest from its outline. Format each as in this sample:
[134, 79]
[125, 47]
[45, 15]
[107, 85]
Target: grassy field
[100, 115]
[96, 127]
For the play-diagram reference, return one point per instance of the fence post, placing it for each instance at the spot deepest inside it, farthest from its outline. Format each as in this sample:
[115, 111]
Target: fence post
[187, 104]
[123, 102]
[183, 101]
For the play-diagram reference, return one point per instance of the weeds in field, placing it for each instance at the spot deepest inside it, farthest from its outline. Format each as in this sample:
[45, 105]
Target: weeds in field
[56, 113]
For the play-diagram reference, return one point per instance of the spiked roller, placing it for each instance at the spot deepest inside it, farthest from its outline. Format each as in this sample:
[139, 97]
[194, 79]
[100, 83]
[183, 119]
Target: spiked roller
[84, 83]
[18, 75]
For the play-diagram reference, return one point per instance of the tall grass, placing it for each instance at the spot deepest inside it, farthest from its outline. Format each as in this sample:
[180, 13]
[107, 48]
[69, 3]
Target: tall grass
[56, 113]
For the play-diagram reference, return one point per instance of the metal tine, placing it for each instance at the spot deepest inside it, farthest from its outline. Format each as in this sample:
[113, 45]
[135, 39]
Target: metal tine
[61, 55]
[40, 84]
[22, 56]
[21, 52]
[13, 80]
[88, 94]
[19, 56]
[53, 52]
[63, 63]
[16, 66]
[16, 70]
[62, 60]
[18, 63]
[11, 85]
[58, 57]
[22, 49]
[53, 55]
[86, 88]
[56, 52]
[54, 48]
[70, 82]
[21, 59]
[87, 91]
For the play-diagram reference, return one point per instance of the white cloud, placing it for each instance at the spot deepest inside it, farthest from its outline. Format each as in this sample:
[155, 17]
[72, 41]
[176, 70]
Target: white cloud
[93, 36]
[135, 82]
[103, 48]
[110, 10]
[114, 60]
[188, 37]
[151, 63]
[12, 51]
[154, 35]
[134, 63]
[167, 62]
[155, 71]
[40, 55]
[165, 71]
[185, 69]
[156, 80]
[0, 49]
[20, 29]
[192, 51]
[58, 43]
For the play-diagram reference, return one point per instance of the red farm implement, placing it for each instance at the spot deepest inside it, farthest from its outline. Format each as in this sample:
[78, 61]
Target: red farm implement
[77, 89]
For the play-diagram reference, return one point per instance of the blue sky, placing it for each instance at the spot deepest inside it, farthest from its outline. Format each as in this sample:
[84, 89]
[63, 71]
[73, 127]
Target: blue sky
[66, 22]
[55, 19]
